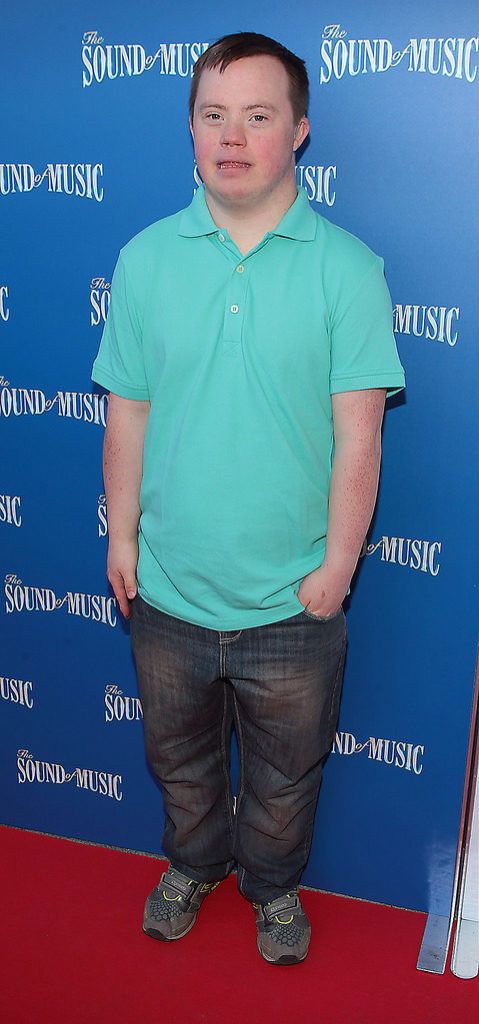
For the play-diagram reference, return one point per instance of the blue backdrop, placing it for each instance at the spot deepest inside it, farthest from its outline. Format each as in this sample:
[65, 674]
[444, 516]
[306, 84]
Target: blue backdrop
[95, 146]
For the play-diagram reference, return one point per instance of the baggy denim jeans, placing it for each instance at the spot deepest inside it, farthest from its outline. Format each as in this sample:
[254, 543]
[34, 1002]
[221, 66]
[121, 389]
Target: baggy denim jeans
[281, 685]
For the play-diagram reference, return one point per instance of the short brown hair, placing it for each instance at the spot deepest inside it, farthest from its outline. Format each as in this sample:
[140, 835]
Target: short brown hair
[252, 44]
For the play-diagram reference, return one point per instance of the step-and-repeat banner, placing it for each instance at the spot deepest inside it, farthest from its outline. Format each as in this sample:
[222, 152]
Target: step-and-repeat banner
[95, 146]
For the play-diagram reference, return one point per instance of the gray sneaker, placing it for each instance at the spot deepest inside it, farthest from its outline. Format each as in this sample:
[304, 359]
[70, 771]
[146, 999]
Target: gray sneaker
[283, 929]
[172, 906]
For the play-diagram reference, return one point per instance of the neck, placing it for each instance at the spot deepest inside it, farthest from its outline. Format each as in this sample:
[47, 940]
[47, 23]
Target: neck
[247, 225]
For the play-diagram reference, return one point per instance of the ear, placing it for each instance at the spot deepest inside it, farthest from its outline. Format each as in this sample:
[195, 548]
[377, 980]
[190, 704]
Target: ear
[190, 122]
[301, 132]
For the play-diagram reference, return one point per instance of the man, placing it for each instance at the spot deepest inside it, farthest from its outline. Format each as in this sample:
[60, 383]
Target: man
[248, 351]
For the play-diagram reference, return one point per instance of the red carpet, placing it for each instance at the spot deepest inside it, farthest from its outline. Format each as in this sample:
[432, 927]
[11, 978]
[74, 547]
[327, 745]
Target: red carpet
[73, 951]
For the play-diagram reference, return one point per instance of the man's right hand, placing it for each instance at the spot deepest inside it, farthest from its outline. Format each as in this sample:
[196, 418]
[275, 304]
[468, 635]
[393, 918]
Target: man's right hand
[121, 571]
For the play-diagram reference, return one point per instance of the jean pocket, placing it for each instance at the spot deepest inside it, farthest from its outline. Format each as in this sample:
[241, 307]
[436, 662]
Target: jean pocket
[323, 618]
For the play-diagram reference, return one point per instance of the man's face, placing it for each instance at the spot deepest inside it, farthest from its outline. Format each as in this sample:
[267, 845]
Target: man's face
[244, 132]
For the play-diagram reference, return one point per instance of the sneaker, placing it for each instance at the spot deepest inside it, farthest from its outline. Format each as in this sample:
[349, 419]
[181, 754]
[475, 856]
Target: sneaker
[283, 930]
[172, 906]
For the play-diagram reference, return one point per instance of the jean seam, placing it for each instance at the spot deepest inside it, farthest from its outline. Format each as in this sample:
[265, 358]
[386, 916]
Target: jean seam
[241, 789]
[309, 829]
[339, 672]
[241, 880]
[224, 766]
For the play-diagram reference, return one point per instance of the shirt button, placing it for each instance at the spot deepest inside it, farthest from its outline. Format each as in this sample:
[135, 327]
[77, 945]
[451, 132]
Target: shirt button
[221, 238]
[240, 269]
[234, 309]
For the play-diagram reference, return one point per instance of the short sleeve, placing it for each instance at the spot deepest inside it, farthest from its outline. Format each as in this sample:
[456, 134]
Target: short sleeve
[119, 365]
[363, 346]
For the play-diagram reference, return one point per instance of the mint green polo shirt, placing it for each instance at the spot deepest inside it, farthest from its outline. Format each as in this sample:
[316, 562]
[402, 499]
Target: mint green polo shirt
[239, 357]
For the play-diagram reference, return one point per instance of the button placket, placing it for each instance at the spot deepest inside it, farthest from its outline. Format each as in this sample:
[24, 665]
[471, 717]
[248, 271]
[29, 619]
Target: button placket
[235, 305]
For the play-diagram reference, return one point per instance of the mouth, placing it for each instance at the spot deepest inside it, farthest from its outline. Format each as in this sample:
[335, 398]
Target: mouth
[232, 165]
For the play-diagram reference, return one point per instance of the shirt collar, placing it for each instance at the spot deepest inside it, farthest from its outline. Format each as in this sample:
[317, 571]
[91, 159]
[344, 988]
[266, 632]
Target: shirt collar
[298, 222]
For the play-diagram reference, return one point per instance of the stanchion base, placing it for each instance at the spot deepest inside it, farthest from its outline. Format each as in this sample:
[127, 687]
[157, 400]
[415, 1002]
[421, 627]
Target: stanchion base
[433, 952]
[465, 952]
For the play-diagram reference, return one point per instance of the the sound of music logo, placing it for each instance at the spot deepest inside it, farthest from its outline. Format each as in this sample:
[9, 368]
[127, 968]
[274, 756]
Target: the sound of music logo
[411, 553]
[20, 597]
[452, 57]
[84, 181]
[396, 753]
[78, 405]
[107, 61]
[30, 770]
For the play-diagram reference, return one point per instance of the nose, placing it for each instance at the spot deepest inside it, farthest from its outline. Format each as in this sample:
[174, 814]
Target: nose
[233, 133]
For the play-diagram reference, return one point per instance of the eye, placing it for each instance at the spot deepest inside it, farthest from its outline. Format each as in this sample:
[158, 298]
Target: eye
[258, 118]
[213, 115]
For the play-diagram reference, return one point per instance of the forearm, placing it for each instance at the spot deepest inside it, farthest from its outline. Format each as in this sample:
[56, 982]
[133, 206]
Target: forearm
[352, 497]
[123, 465]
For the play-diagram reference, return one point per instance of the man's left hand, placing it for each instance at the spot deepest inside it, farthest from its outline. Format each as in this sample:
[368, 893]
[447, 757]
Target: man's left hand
[323, 591]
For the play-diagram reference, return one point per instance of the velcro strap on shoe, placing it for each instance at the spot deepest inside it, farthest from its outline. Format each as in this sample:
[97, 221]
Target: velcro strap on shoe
[173, 880]
[276, 906]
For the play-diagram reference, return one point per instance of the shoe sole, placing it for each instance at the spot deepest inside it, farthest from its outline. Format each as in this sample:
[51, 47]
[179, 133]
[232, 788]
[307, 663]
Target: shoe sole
[282, 960]
[154, 933]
